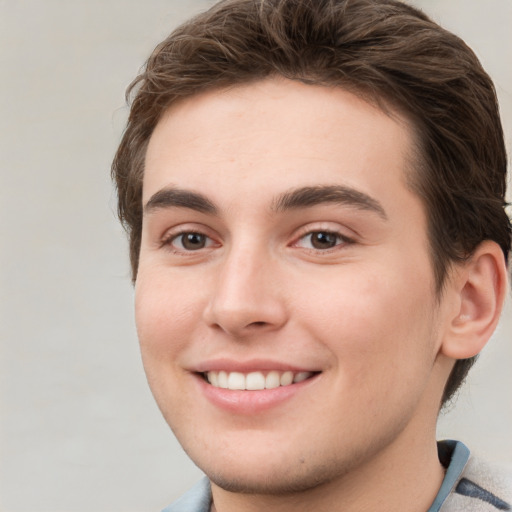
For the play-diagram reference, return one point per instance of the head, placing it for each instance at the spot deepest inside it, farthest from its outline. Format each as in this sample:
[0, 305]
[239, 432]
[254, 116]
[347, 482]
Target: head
[382, 51]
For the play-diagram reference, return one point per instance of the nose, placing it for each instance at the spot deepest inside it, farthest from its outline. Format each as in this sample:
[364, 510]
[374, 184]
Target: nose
[246, 298]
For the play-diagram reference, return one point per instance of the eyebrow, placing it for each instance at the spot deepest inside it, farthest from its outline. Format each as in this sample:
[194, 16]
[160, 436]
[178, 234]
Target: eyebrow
[312, 196]
[304, 197]
[178, 198]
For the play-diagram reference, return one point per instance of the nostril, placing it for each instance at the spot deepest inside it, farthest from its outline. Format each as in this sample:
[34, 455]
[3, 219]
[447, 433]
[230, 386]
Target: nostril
[257, 324]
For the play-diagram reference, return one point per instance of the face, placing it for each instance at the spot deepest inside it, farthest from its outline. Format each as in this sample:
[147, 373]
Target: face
[284, 299]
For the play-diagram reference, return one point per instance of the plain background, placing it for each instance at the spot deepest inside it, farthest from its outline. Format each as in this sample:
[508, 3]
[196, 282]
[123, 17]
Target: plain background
[79, 429]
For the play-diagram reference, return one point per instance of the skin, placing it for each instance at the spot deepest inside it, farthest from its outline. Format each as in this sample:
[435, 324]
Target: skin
[256, 292]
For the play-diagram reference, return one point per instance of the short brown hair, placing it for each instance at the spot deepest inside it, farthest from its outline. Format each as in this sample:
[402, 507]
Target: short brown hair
[384, 50]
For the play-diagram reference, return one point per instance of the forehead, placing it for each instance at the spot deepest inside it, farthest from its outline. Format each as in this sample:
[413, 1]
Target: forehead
[279, 130]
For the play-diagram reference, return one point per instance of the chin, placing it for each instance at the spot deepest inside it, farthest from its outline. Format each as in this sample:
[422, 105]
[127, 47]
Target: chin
[279, 470]
[296, 478]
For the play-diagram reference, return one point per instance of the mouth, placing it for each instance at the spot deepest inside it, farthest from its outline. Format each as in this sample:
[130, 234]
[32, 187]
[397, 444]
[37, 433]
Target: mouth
[255, 381]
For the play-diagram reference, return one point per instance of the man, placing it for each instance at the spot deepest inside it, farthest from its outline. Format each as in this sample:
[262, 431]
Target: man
[314, 194]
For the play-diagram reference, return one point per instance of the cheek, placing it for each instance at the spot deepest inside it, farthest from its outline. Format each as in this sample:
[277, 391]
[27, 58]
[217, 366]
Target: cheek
[164, 317]
[381, 346]
[374, 322]
[165, 322]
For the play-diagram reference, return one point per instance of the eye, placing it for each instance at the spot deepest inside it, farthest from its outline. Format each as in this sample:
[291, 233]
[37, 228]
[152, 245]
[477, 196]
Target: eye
[189, 241]
[321, 240]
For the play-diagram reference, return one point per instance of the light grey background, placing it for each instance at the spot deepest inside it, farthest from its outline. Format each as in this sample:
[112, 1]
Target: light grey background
[79, 429]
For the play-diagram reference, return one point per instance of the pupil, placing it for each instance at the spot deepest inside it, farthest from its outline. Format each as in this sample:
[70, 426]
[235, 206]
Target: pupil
[323, 240]
[193, 241]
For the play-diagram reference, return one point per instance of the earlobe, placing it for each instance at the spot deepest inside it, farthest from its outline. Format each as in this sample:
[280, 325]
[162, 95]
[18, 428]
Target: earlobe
[480, 285]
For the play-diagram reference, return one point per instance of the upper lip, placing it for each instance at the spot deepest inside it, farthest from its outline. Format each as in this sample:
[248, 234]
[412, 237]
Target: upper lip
[252, 365]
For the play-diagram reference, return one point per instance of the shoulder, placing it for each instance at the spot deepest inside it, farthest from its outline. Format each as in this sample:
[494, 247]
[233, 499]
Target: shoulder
[480, 487]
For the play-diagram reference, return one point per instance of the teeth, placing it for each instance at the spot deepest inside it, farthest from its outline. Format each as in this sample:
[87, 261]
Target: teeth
[272, 380]
[215, 379]
[299, 377]
[222, 380]
[286, 378]
[255, 381]
[236, 380]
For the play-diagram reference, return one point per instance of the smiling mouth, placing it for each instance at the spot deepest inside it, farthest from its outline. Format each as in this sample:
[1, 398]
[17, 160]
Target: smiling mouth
[255, 381]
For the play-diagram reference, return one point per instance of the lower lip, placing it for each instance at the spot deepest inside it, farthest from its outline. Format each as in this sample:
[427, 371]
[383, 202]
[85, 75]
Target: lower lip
[252, 402]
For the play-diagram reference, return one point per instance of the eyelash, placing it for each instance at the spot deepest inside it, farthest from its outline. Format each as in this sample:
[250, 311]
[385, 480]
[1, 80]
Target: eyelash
[169, 240]
[339, 241]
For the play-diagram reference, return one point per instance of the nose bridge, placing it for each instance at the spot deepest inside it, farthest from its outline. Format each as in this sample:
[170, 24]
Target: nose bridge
[246, 295]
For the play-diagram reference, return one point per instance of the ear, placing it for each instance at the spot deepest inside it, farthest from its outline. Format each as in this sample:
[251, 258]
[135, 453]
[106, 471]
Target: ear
[479, 285]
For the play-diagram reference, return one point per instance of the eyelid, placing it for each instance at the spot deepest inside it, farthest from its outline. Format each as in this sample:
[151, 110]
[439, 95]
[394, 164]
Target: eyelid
[173, 233]
[178, 236]
[342, 240]
[328, 227]
[338, 231]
